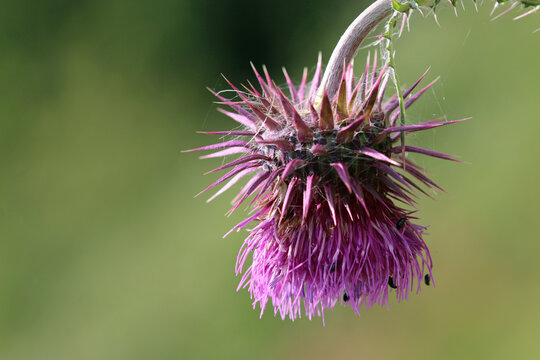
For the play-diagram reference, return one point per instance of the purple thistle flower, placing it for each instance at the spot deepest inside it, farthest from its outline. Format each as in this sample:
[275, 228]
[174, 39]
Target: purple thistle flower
[330, 186]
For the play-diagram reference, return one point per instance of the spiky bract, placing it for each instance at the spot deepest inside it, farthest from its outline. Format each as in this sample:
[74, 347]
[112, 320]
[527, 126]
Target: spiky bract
[327, 181]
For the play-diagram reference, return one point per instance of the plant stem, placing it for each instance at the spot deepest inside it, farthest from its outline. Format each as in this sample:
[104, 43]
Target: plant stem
[348, 45]
[392, 65]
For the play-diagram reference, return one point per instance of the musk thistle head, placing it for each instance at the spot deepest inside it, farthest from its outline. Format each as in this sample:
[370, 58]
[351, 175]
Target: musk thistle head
[330, 190]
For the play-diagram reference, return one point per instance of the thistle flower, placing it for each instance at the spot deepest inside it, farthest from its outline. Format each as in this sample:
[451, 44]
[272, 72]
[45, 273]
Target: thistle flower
[331, 192]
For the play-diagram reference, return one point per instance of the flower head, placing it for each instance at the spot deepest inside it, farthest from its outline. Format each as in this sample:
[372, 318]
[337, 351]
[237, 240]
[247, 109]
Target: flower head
[331, 192]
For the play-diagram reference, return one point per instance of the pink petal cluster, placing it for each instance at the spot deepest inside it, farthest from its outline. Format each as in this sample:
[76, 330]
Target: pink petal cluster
[330, 190]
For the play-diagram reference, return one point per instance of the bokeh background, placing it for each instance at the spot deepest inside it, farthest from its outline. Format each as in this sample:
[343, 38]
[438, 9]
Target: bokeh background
[104, 252]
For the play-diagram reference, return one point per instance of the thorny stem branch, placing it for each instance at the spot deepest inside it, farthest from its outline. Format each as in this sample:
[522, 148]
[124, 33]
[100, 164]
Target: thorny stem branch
[392, 64]
[348, 45]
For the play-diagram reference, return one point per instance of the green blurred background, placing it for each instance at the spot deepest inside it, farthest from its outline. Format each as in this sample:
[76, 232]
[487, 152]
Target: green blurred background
[104, 252]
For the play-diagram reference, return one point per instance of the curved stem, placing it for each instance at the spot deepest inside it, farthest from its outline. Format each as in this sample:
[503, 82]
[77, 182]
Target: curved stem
[348, 45]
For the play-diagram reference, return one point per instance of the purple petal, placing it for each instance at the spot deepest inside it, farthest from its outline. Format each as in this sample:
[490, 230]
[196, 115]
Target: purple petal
[343, 174]
[231, 182]
[240, 161]
[357, 190]
[423, 151]
[421, 126]
[241, 225]
[391, 172]
[376, 195]
[239, 118]
[227, 176]
[258, 179]
[307, 197]
[231, 132]
[397, 191]
[330, 199]
[292, 89]
[226, 152]
[377, 155]
[236, 106]
[285, 205]
[316, 78]
[269, 182]
[267, 91]
[266, 119]
[291, 167]
[267, 75]
[270, 123]
[252, 90]
[302, 88]
[417, 174]
[223, 145]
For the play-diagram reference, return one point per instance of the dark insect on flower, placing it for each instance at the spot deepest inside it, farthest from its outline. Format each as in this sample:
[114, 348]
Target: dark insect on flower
[427, 279]
[391, 282]
[401, 223]
[329, 177]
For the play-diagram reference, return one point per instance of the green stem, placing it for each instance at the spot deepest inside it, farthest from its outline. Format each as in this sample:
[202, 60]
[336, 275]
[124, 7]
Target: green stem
[392, 64]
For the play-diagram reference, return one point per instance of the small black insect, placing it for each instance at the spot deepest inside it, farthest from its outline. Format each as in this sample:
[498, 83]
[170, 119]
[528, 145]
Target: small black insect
[333, 268]
[345, 297]
[391, 283]
[401, 223]
[427, 279]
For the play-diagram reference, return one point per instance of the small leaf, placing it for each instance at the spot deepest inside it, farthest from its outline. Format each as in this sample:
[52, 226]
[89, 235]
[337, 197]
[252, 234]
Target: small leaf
[401, 7]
